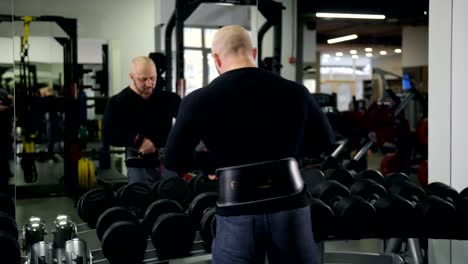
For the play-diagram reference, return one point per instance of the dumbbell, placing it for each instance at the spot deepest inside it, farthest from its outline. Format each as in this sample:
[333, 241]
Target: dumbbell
[170, 229]
[389, 208]
[172, 188]
[122, 237]
[93, 203]
[136, 197]
[76, 251]
[322, 217]
[41, 253]
[332, 161]
[34, 231]
[200, 183]
[64, 229]
[443, 191]
[311, 177]
[202, 210]
[352, 213]
[11, 252]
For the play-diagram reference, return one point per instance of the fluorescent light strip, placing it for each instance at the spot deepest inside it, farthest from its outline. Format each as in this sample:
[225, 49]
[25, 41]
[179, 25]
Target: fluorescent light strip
[352, 16]
[341, 39]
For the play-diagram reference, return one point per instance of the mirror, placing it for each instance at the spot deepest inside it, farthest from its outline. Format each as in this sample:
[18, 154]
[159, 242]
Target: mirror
[7, 111]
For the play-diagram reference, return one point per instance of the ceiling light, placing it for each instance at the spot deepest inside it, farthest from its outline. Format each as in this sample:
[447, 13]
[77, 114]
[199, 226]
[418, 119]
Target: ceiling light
[368, 49]
[341, 39]
[355, 57]
[383, 52]
[353, 51]
[368, 54]
[339, 54]
[326, 55]
[425, 13]
[353, 16]
[397, 50]
[225, 4]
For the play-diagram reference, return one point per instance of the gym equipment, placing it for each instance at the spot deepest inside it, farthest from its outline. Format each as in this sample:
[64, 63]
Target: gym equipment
[322, 219]
[202, 209]
[122, 237]
[64, 229]
[312, 177]
[94, 203]
[342, 176]
[201, 184]
[352, 213]
[41, 253]
[464, 193]
[76, 251]
[137, 160]
[443, 191]
[33, 231]
[333, 160]
[136, 197]
[173, 188]
[86, 174]
[170, 229]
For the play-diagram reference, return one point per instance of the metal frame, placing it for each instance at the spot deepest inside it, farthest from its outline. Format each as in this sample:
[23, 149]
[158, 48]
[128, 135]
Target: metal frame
[270, 9]
[71, 103]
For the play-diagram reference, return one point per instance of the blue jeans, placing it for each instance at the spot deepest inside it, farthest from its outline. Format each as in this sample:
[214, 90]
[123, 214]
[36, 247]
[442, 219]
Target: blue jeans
[147, 175]
[284, 237]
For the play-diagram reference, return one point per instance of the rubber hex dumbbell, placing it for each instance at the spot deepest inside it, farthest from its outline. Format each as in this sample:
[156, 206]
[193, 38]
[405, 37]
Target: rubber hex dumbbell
[389, 208]
[122, 237]
[352, 213]
[93, 203]
[171, 230]
[342, 176]
[136, 197]
[322, 217]
[202, 210]
[173, 188]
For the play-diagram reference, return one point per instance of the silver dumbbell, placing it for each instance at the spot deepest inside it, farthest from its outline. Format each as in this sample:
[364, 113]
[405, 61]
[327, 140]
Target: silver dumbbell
[41, 253]
[34, 231]
[64, 229]
[76, 252]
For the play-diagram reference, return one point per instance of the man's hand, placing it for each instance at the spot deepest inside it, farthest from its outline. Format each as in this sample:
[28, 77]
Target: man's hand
[147, 147]
[5, 107]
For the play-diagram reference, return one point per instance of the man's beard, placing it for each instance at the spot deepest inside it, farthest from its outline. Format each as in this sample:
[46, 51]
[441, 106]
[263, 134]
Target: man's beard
[143, 92]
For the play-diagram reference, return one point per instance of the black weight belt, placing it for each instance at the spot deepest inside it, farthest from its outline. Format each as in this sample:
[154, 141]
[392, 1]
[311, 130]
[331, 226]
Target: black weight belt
[257, 182]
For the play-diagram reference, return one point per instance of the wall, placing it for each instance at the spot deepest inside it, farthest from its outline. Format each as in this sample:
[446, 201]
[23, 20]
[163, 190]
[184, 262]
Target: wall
[448, 40]
[414, 46]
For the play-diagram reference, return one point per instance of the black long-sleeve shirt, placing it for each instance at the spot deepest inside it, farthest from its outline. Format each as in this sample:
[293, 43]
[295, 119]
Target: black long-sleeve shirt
[245, 116]
[128, 115]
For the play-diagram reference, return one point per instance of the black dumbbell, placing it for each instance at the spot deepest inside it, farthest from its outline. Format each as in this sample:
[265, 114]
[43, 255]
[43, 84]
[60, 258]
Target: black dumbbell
[64, 229]
[312, 177]
[399, 183]
[202, 210]
[172, 188]
[371, 174]
[443, 191]
[93, 203]
[136, 197]
[122, 237]
[322, 219]
[171, 230]
[200, 183]
[343, 176]
[352, 213]
[464, 193]
[11, 252]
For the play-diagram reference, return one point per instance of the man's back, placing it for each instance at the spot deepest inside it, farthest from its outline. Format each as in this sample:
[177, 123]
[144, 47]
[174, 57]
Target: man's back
[249, 115]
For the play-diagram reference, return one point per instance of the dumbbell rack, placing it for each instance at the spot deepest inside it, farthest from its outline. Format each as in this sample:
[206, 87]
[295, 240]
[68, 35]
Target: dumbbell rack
[151, 256]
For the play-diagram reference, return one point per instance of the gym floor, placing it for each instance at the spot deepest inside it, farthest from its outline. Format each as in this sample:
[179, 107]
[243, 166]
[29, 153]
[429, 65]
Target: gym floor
[49, 208]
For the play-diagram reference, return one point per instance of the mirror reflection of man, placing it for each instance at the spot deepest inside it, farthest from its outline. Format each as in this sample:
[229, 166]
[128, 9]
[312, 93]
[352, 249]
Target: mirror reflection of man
[6, 139]
[140, 117]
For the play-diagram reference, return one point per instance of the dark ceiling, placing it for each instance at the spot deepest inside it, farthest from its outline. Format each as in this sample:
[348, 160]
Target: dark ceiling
[398, 13]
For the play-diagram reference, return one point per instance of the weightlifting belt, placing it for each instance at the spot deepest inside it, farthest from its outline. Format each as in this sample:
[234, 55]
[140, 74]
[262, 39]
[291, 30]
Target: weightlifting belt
[257, 182]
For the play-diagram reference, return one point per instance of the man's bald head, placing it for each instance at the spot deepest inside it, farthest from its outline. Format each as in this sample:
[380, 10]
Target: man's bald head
[143, 74]
[232, 48]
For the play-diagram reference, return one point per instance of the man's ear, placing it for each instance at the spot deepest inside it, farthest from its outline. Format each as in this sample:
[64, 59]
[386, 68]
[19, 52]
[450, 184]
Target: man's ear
[254, 53]
[217, 60]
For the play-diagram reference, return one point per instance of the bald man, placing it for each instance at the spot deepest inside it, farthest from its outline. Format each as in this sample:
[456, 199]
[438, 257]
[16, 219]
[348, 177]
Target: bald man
[256, 125]
[140, 117]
